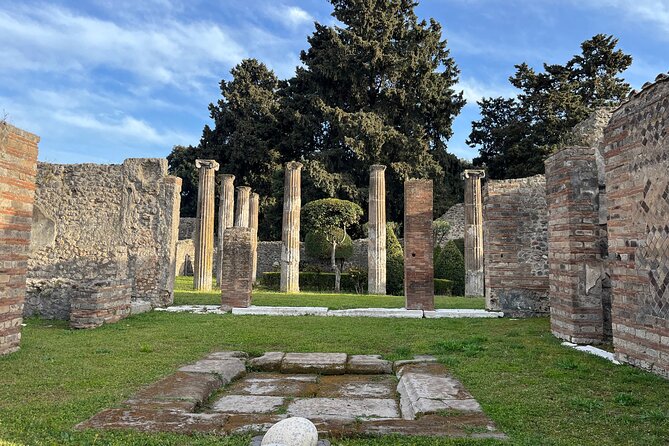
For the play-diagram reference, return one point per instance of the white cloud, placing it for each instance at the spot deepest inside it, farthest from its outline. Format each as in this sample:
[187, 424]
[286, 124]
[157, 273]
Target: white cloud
[53, 39]
[653, 11]
[289, 16]
[475, 90]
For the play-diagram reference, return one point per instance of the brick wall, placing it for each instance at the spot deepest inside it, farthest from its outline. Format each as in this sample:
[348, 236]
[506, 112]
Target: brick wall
[418, 245]
[18, 158]
[579, 289]
[515, 220]
[94, 304]
[236, 282]
[637, 181]
[103, 222]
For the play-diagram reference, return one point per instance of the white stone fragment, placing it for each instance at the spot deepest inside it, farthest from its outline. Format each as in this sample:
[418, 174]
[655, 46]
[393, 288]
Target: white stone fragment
[294, 431]
[378, 312]
[280, 311]
[462, 313]
[593, 351]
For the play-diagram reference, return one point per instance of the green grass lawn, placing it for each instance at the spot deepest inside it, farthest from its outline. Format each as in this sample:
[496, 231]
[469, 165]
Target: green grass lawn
[538, 392]
[184, 295]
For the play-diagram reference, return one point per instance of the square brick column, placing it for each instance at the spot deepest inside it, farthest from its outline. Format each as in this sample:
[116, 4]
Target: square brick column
[236, 283]
[574, 249]
[18, 161]
[418, 245]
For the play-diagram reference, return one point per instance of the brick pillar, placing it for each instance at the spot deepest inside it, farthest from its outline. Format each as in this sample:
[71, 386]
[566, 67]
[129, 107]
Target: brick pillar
[474, 280]
[290, 233]
[242, 209]
[18, 161]
[418, 245]
[574, 250]
[226, 215]
[254, 206]
[376, 250]
[204, 232]
[236, 285]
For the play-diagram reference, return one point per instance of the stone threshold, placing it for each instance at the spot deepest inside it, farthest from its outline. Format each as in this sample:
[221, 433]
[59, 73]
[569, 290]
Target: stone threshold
[324, 311]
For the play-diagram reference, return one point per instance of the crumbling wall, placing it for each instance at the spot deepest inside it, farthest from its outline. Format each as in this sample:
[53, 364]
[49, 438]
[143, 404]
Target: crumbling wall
[515, 220]
[18, 158]
[187, 228]
[104, 223]
[637, 181]
[185, 257]
[455, 217]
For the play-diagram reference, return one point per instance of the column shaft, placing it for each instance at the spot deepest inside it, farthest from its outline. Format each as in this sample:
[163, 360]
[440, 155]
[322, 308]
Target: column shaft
[290, 233]
[242, 211]
[376, 250]
[254, 208]
[474, 279]
[226, 215]
[204, 232]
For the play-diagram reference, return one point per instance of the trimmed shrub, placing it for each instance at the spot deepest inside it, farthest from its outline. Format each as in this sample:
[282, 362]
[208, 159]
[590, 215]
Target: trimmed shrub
[460, 243]
[317, 246]
[443, 287]
[451, 265]
[394, 261]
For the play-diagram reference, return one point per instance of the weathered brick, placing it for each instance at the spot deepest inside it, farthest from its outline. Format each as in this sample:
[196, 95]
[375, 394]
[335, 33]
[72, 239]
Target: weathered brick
[418, 245]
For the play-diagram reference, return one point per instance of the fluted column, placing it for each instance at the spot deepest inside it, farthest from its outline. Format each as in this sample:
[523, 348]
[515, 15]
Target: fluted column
[242, 210]
[254, 206]
[474, 279]
[290, 233]
[226, 215]
[376, 249]
[204, 234]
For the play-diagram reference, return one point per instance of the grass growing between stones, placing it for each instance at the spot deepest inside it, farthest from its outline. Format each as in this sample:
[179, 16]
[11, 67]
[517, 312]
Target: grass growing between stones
[538, 392]
[184, 295]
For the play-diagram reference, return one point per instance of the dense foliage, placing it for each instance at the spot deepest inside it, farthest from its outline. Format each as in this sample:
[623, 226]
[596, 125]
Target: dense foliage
[376, 88]
[394, 261]
[516, 135]
[450, 264]
[317, 246]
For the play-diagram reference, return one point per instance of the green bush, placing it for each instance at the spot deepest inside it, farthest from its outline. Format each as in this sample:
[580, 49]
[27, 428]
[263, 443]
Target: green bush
[317, 246]
[443, 287]
[451, 265]
[460, 243]
[394, 262]
[353, 282]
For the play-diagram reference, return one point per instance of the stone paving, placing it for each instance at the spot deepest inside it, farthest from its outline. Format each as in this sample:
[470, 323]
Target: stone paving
[343, 395]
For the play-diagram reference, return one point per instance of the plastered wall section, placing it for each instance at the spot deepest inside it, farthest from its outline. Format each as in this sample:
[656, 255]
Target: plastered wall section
[515, 225]
[637, 182]
[104, 223]
[18, 159]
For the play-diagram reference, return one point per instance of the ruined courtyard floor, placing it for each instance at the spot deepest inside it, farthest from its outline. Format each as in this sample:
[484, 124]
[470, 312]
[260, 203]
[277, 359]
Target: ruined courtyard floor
[534, 390]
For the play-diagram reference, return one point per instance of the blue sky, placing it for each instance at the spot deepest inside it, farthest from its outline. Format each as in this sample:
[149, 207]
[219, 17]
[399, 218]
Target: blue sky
[105, 80]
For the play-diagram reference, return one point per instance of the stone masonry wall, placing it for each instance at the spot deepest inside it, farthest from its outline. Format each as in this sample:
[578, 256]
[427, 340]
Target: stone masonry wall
[576, 256]
[455, 217]
[94, 304]
[184, 258]
[18, 159]
[515, 220]
[637, 182]
[104, 223]
[187, 228]
[236, 282]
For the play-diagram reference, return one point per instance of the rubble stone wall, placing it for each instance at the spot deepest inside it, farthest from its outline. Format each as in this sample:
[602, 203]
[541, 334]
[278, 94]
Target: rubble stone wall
[94, 304]
[104, 223]
[515, 225]
[637, 162]
[18, 159]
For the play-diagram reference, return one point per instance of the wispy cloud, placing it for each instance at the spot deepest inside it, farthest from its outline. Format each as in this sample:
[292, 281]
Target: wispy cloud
[652, 11]
[474, 90]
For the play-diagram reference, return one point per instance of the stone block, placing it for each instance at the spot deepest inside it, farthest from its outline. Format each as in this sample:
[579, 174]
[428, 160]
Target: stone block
[97, 303]
[281, 311]
[378, 312]
[368, 365]
[321, 363]
[227, 369]
[344, 408]
[248, 404]
[269, 362]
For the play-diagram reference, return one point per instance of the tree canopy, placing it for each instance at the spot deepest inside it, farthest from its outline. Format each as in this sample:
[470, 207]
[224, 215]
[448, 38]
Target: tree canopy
[515, 135]
[376, 88]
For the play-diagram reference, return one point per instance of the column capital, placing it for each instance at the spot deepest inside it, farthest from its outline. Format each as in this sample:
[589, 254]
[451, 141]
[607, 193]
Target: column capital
[226, 177]
[293, 165]
[207, 164]
[473, 173]
[377, 167]
[243, 189]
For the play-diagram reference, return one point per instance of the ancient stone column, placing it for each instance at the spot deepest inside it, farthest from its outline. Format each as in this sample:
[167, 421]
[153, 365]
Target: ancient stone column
[254, 207]
[226, 215]
[418, 245]
[242, 210]
[204, 229]
[290, 233]
[376, 248]
[236, 286]
[474, 280]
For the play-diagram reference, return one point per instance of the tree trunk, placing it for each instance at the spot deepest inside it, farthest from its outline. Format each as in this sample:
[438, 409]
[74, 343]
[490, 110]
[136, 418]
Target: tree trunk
[335, 268]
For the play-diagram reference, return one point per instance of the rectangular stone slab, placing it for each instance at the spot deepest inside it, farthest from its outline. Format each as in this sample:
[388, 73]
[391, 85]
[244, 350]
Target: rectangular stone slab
[227, 369]
[248, 404]
[321, 363]
[357, 386]
[269, 362]
[281, 311]
[180, 387]
[344, 408]
[378, 312]
[275, 384]
[368, 365]
[458, 313]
